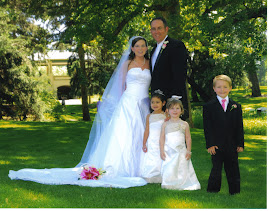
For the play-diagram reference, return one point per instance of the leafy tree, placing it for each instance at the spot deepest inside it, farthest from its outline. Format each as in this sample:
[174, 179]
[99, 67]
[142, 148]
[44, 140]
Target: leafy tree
[217, 34]
[235, 31]
[21, 83]
[85, 21]
[221, 36]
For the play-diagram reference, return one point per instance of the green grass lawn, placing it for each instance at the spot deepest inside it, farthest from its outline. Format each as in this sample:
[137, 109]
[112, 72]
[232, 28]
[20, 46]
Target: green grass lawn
[61, 144]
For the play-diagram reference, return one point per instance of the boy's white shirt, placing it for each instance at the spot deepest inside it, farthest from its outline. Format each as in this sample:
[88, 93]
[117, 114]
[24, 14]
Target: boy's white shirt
[226, 102]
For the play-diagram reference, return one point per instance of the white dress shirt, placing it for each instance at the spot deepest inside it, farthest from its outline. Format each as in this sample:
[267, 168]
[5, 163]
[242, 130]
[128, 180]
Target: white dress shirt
[226, 102]
[156, 53]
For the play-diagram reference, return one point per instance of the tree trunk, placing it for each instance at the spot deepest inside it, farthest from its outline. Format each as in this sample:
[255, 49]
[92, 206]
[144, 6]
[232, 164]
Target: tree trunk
[253, 78]
[84, 93]
[194, 96]
[189, 107]
[205, 97]
[193, 91]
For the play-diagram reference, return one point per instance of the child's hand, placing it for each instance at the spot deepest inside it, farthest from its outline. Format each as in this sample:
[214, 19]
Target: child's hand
[145, 149]
[188, 155]
[240, 149]
[212, 150]
[163, 156]
[167, 115]
[167, 118]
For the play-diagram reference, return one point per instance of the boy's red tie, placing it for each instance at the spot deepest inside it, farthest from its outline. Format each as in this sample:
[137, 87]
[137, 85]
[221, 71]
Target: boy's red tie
[223, 104]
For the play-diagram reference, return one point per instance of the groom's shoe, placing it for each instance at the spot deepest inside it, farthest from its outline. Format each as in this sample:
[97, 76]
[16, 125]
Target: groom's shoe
[232, 194]
[212, 191]
[213, 186]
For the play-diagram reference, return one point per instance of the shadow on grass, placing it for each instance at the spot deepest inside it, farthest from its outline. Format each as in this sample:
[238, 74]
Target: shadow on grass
[42, 144]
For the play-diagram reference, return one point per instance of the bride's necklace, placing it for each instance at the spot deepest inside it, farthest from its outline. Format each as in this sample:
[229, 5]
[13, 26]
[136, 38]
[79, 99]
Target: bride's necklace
[140, 65]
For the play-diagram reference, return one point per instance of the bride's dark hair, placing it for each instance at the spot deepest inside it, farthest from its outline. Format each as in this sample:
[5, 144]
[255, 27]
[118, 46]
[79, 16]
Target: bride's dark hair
[135, 40]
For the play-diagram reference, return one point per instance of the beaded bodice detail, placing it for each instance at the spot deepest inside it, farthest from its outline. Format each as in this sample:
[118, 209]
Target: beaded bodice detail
[175, 126]
[156, 117]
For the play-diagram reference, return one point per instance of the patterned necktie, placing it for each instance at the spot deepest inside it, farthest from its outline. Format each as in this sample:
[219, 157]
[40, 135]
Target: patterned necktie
[223, 104]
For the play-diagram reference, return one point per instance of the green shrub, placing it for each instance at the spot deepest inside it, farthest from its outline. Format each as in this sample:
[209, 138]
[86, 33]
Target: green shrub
[197, 117]
[58, 111]
[254, 123]
[54, 110]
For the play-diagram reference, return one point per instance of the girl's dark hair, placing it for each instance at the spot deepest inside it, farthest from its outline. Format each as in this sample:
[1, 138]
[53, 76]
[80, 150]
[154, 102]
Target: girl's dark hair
[159, 94]
[135, 40]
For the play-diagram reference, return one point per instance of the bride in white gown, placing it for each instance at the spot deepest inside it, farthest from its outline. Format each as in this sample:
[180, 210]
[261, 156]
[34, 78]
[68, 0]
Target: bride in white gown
[116, 138]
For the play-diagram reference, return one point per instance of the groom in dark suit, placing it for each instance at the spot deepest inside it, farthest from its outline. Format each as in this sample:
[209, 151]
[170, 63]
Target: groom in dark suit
[168, 61]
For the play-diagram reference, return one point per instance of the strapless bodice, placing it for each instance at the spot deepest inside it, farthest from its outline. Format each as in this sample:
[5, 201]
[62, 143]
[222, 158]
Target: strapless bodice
[138, 82]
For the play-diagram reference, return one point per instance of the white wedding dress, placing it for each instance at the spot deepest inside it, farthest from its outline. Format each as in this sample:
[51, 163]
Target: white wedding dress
[119, 148]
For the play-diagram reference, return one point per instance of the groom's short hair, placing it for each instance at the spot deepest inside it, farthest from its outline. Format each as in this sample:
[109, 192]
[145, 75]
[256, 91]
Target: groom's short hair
[160, 18]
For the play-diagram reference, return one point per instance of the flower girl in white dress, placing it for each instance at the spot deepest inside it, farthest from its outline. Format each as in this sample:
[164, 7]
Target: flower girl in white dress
[151, 170]
[177, 170]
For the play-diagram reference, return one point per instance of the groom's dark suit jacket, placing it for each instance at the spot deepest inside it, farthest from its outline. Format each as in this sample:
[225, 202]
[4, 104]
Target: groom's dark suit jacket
[223, 129]
[170, 70]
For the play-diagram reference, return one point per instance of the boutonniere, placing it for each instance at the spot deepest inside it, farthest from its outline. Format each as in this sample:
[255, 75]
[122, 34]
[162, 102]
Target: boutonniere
[164, 45]
[234, 106]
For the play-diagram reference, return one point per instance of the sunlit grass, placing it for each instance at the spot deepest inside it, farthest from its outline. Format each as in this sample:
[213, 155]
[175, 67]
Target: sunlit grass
[5, 125]
[245, 158]
[4, 162]
[24, 158]
[183, 204]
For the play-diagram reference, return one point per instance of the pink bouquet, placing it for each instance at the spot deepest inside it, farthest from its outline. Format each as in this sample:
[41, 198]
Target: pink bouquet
[91, 173]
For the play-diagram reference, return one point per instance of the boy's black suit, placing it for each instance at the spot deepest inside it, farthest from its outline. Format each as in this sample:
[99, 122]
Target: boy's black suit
[170, 70]
[224, 130]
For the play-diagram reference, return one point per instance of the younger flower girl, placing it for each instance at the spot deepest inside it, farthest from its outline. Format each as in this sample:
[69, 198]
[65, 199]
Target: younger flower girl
[177, 170]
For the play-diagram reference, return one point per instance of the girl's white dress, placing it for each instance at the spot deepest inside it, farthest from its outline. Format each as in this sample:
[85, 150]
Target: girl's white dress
[177, 172]
[152, 160]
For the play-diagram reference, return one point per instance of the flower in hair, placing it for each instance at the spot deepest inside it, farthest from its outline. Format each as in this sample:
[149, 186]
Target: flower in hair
[176, 97]
[158, 91]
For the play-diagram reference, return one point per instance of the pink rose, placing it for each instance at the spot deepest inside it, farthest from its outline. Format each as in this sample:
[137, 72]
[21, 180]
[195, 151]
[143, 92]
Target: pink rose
[233, 106]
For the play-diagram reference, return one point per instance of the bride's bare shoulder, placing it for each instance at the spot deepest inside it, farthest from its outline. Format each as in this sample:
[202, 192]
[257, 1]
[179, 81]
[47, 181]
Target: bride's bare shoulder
[129, 64]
